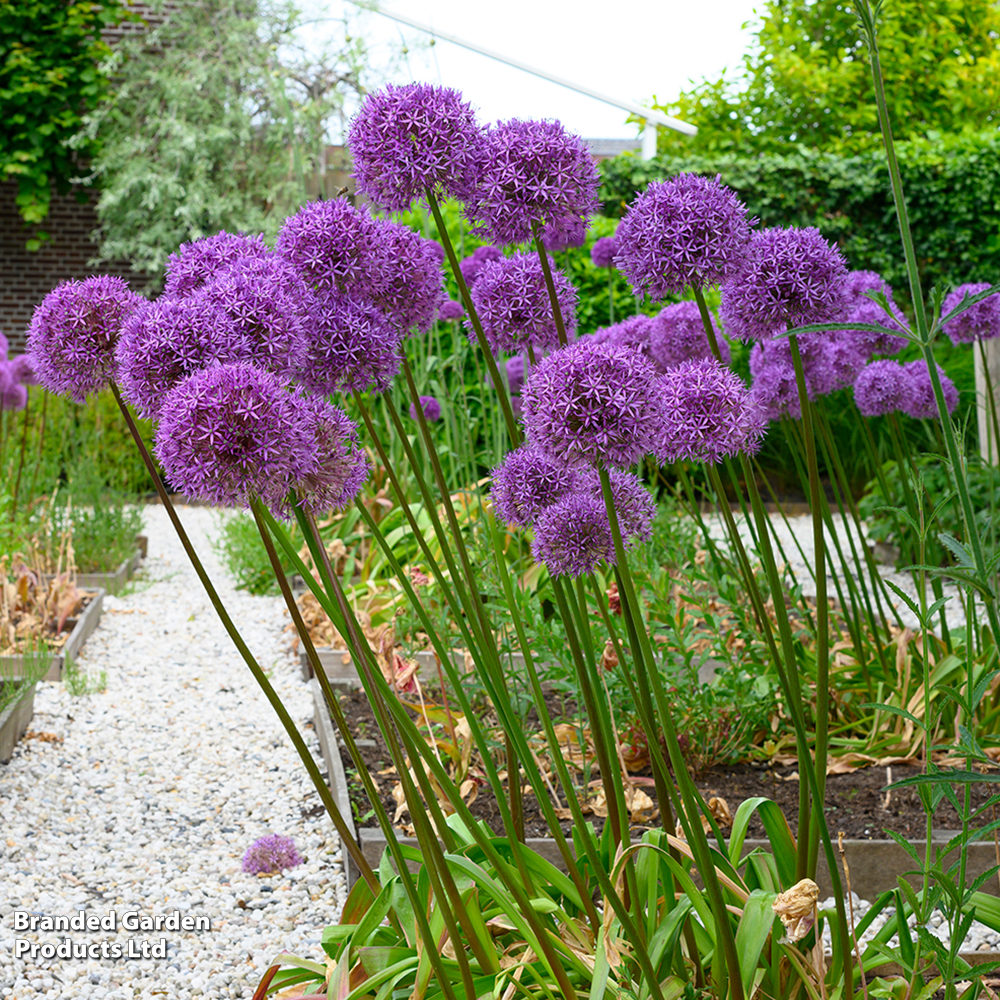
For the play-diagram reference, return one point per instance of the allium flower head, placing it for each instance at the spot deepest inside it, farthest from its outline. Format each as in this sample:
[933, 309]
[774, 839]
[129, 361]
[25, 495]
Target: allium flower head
[594, 404]
[411, 139]
[331, 244]
[526, 483]
[573, 535]
[789, 277]
[339, 467]
[559, 237]
[882, 386]
[512, 301]
[709, 414]
[979, 322]
[430, 406]
[677, 334]
[631, 332]
[602, 253]
[536, 174]
[450, 310]
[355, 348]
[195, 264]
[634, 506]
[168, 339]
[233, 432]
[405, 278]
[13, 395]
[270, 307]
[73, 333]
[920, 403]
[862, 309]
[774, 390]
[21, 370]
[270, 854]
[514, 368]
[472, 266]
[690, 230]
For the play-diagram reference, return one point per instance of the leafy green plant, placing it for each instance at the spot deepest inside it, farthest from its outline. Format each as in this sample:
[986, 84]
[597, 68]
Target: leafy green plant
[80, 683]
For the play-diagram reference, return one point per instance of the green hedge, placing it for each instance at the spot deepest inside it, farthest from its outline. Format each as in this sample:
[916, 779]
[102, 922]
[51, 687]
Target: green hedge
[952, 188]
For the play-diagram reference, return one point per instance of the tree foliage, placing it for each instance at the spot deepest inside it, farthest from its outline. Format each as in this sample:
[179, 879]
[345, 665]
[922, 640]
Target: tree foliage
[807, 80]
[51, 75]
[216, 121]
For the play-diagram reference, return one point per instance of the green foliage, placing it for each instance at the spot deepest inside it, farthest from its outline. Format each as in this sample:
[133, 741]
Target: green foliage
[243, 554]
[52, 73]
[215, 123]
[807, 80]
[953, 198]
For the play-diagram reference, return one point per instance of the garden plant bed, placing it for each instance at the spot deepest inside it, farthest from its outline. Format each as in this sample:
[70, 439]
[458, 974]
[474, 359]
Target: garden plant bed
[855, 805]
[111, 583]
[79, 629]
[15, 718]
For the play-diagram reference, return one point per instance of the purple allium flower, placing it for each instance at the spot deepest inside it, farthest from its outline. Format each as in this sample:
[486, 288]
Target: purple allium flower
[677, 334]
[195, 264]
[602, 253]
[690, 230]
[789, 277]
[882, 386]
[774, 389]
[512, 301]
[270, 854]
[168, 339]
[355, 348]
[340, 467]
[631, 332]
[436, 250]
[536, 174]
[21, 370]
[634, 505]
[709, 414]
[233, 432]
[572, 233]
[430, 406]
[331, 244]
[13, 395]
[405, 278]
[410, 139]
[829, 361]
[73, 333]
[527, 482]
[515, 373]
[472, 266]
[861, 309]
[450, 310]
[573, 535]
[271, 308]
[594, 404]
[979, 322]
[919, 402]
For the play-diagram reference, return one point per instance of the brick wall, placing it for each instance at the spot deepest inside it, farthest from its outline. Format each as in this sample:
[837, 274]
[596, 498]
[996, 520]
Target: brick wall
[26, 277]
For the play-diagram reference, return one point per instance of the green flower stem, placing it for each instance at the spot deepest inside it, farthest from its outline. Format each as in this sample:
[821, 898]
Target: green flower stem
[867, 18]
[20, 462]
[333, 704]
[326, 796]
[706, 322]
[816, 500]
[690, 817]
[543, 257]
[491, 364]
[429, 824]
[611, 295]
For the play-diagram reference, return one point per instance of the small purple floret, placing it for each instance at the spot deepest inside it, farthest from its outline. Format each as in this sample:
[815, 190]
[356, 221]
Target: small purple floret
[881, 388]
[690, 230]
[527, 482]
[450, 310]
[789, 277]
[573, 536]
[978, 322]
[269, 854]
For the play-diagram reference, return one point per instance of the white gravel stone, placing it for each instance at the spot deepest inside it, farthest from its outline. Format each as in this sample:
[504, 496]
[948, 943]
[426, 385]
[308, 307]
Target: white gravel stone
[157, 787]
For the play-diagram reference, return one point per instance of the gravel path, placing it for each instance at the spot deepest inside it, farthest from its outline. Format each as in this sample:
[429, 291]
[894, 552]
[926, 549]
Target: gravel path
[154, 790]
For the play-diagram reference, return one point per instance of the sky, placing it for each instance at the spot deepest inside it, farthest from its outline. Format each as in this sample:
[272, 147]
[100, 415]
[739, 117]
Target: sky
[629, 50]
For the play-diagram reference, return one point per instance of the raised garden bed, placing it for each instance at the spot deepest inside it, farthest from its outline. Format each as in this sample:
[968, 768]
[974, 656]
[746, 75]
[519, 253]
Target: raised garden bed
[15, 718]
[79, 628]
[112, 582]
[874, 863]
